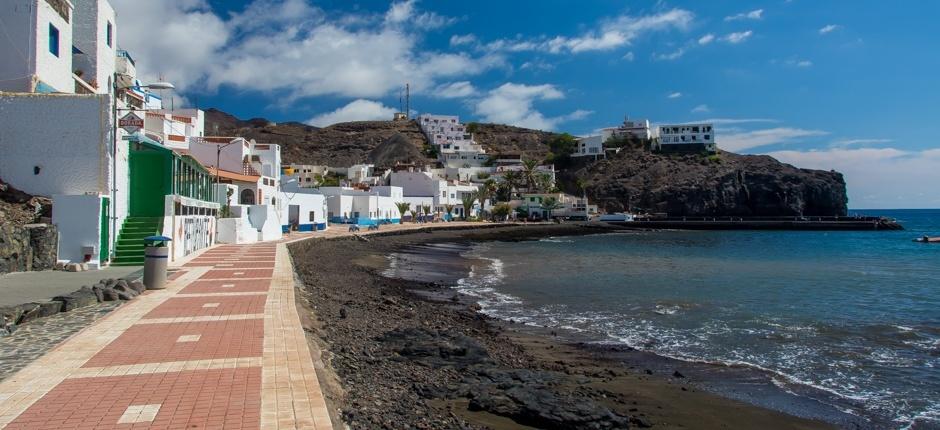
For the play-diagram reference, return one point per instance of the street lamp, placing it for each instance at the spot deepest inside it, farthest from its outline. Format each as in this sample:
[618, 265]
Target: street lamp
[218, 156]
[114, 123]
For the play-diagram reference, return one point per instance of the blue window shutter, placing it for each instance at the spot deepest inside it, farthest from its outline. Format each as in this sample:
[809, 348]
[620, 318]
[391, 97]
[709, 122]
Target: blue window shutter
[53, 40]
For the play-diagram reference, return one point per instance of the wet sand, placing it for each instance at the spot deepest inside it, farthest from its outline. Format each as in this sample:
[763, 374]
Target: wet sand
[413, 354]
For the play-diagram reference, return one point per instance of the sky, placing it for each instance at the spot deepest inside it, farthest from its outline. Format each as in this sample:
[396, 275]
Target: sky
[845, 85]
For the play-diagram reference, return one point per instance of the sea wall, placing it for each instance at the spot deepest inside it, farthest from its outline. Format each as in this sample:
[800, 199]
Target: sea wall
[27, 248]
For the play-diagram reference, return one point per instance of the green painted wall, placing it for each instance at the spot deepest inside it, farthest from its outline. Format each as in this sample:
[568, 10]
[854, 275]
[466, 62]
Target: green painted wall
[104, 253]
[150, 179]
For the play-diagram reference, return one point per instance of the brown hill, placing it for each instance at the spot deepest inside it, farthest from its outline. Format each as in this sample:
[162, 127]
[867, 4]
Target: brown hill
[339, 145]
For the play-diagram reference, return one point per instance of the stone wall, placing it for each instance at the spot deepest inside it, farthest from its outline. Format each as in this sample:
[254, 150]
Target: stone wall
[27, 248]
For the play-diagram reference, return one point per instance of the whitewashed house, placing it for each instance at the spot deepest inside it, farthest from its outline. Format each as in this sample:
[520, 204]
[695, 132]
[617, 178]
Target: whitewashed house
[638, 128]
[590, 146]
[59, 139]
[302, 208]
[247, 173]
[423, 188]
[696, 137]
[347, 205]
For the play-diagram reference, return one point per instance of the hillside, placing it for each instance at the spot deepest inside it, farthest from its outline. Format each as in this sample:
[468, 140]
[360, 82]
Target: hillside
[633, 180]
[339, 145]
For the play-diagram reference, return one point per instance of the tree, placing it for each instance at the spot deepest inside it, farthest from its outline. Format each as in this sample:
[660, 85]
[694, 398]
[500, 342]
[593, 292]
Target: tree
[502, 211]
[426, 209]
[522, 212]
[467, 200]
[403, 208]
[449, 208]
[561, 147]
[530, 174]
[511, 181]
[550, 204]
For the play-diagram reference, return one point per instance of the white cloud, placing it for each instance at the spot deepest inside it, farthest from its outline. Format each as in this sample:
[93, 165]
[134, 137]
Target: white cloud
[287, 48]
[804, 63]
[357, 110]
[736, 121]
[739, 141]
[701, 109]
[878, 177]
[706, 39]
[829, 29]
[465, 39]
[453, 90]
[845, 143]
[675, 55]
[405, 13]
[737, 37]
[189, 38]
[614, 33]
[512, 104]
[754, 14]
[629, 56]
[674, 95]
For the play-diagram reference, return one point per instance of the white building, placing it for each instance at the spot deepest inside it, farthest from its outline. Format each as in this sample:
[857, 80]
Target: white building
[250, 172]
[346, 205]
[302, 209]
[638, 128]
[174, 128]
[452, 140]
[685, 138]
[37, 46]
[590, 146]
[423, 188]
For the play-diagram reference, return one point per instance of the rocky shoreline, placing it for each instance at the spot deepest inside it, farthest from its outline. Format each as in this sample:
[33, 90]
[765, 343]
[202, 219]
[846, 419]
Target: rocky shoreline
[405, 354]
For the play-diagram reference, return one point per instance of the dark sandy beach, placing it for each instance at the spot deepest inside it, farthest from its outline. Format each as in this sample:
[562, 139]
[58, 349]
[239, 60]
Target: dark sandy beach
[406, 354]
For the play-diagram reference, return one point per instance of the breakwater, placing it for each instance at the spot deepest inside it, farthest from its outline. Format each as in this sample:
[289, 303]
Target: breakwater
[815, 223]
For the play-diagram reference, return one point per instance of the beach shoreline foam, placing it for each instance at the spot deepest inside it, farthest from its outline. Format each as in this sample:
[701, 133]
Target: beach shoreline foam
[396, 343]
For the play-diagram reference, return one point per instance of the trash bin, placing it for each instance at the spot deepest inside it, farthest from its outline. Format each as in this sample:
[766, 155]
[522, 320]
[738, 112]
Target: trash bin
[156, 255]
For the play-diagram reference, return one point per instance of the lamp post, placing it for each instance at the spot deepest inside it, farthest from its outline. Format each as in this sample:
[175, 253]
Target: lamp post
[218, 156]
[114, 94]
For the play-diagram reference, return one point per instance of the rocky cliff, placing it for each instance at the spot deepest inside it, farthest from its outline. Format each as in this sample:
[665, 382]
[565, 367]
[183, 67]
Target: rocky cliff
[633, 180]
[698, 185]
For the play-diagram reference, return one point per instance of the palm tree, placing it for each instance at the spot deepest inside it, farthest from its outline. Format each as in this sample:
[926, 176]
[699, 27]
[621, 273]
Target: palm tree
[467, 200]
[449, 208]
[511, 180]
[530, 174]
[550, 204]
[403, 208]
[427, 210]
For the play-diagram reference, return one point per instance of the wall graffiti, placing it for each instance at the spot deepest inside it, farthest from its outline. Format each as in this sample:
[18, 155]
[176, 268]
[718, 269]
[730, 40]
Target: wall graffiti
[196, 234]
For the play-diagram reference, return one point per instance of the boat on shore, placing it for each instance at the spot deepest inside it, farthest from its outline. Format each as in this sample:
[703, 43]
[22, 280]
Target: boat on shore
[928, 239]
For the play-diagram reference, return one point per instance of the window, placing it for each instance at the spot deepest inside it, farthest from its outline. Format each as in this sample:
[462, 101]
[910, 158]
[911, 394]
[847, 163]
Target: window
[53, 40]
[313, 216]
[110, 34]
[706, 137]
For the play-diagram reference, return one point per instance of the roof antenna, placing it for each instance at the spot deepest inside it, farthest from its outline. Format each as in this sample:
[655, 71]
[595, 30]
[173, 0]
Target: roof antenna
[407, 101]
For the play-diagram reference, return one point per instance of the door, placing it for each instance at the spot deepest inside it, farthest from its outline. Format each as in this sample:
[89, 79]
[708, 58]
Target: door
[293, 216]
[104, 248]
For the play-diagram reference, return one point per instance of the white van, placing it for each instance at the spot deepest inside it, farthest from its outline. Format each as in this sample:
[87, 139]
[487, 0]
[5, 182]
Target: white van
[618, 217]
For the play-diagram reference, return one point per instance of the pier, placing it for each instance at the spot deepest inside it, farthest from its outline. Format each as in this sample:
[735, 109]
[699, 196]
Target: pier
[813, 223]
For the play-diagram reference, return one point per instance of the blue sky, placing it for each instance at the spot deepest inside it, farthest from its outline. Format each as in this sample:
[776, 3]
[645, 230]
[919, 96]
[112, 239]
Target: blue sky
[838, 85]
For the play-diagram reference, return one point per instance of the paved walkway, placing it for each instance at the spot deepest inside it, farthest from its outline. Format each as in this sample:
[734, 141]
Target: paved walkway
[24, 287]
[221, 347]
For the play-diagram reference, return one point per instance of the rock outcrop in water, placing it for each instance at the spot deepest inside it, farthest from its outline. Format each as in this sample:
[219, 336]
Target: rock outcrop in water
[696, 185]
[633, 180]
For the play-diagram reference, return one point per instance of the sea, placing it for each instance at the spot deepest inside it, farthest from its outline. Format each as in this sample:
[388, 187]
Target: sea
[853, 314]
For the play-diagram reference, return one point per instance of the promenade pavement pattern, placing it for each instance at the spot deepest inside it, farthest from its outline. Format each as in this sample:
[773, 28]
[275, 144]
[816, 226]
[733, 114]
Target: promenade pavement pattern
[221, 347]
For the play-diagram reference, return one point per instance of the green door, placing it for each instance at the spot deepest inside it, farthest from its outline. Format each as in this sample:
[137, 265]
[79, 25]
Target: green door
[150, 171]
[105, 247]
